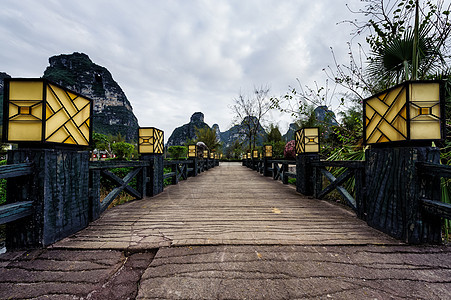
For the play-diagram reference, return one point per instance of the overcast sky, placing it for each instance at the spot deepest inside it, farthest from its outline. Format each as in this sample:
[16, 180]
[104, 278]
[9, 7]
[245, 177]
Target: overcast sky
[173, 58]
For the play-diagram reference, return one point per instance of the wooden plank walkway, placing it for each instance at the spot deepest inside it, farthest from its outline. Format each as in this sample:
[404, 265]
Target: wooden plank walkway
[227, 205]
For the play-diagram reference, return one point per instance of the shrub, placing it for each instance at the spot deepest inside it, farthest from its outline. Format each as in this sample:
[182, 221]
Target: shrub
[289, 151]
[123, 150]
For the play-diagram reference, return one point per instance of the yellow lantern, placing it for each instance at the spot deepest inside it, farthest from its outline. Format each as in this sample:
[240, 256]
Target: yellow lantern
[150, 140]
[307, 140]
[192, 151]
[267, 150]
[255, 154]
[40, 111]
[410, 112]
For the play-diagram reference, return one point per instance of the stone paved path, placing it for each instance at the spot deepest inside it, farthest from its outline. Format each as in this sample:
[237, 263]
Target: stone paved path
[228, 234]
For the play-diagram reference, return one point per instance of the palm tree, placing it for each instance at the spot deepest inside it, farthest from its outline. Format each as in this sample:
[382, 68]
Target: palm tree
[414, 55]
[394, 63]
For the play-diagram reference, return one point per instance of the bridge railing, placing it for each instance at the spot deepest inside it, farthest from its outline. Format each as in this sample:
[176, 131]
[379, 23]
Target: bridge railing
[12, 211]
[281, 169]
[347, 170]
[97, 170]
[278, 169]
[431, 202]
[395, 190]
[53, 193]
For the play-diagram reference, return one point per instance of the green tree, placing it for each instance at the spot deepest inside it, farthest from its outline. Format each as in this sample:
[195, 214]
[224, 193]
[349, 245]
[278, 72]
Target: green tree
[100, 141]
[177, 152]
[235, 150]
[274, 134]
[208, 137]
[274, 138]
[123, 150]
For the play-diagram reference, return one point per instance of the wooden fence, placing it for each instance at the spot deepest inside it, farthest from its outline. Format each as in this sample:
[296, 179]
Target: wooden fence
[396, 191]
[59, 192]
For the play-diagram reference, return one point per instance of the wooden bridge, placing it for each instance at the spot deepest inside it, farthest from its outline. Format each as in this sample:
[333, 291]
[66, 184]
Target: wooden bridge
[229, 205]
[229, 233]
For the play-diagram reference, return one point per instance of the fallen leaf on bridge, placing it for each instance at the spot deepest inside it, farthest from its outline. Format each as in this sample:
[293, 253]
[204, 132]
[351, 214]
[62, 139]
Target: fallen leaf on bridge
[276, 210]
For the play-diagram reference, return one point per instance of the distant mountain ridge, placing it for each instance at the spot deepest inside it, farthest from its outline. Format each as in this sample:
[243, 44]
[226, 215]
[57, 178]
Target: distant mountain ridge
[187, 132]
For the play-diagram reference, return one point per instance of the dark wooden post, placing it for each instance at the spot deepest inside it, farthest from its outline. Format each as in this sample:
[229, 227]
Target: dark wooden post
[59, 190]
[94, 195]
[195, 167]
[284, 173]
[393, 190]
[267, 167]
[155, 172]
[206, 164]
[304, 173]
[174, 178]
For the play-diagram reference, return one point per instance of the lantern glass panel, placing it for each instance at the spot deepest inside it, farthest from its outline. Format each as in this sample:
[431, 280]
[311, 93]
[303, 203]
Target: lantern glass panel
[386, 116]
[425, 111]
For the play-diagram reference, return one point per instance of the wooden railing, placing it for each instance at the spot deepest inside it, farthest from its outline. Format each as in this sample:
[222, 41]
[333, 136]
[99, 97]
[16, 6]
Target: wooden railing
[13, 211]
[102, 169]
[434, 206]
[277, 168]
[349, 170]
[280, 170]
[179, 170]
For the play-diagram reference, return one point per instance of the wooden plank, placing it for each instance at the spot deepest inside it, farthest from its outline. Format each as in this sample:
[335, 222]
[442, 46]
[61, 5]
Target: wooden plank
[437, 208]
[14, 211]
[352, 164]
[282, 161]
[97, 165]
[434, 169]
[16, 170]
[168, 175]
[334, 183]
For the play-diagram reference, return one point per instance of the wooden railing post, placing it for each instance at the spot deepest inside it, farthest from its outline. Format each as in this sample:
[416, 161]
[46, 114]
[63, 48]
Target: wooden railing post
[393, 191]
[304, 173]
[59, 189]
[175, 177]
[94, 195]
[284, 173]
[194, 166]
[155, 172]
[267, 167]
